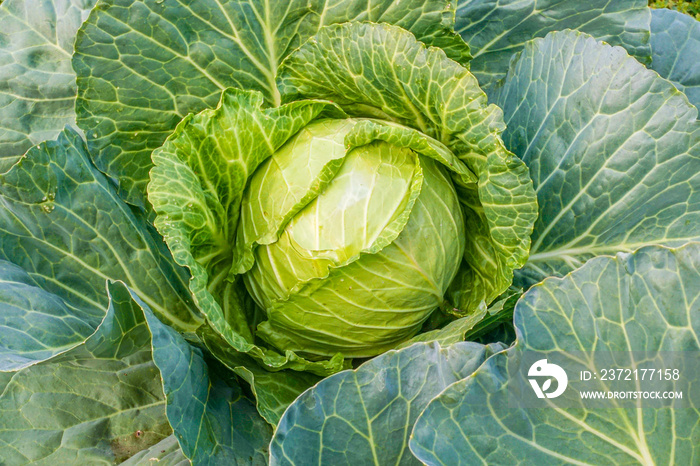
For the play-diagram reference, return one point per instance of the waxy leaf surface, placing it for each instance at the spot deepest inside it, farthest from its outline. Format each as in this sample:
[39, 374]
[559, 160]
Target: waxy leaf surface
[624, 306]
[675, 47]
[613, 152]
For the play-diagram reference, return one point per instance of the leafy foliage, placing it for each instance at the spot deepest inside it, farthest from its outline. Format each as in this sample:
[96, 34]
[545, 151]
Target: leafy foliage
[127, 387]
[36, 324]
[675, 44]
[497, 29]
[259, 191]
[37, 90]
[167, 452]
[63, 232]
[614, 152]
[198, 184]
[136, 82]
[82, 405]
[206, 407]
[392, 390]
[659, 312]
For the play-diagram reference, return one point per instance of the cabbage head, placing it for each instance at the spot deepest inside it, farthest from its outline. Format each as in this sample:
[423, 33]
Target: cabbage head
[362, 245]
[374, 201]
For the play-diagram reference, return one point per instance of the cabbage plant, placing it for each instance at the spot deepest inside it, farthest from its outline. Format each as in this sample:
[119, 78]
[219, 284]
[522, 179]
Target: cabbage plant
[305, 232]
[348, 225]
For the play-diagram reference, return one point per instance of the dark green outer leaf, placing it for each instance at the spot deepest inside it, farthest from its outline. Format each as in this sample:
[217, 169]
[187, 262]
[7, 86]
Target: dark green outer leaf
[100, 402]
[502, 332]
[211, 418]
[143, 65]
[496, 29]
[365, 416]
[63, 223]
[613, 151]
[37, 83]
[381, 71]
[675, 47]
[273, 391]
[646, 301]
[121, 391]
[35, 325]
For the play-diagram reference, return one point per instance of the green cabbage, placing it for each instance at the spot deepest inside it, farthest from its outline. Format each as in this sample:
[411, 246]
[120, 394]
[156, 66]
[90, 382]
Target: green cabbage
[349, 270]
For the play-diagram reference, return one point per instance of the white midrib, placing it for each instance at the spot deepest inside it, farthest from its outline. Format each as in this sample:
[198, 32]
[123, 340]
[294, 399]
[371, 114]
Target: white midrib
[642, 457]
[574, 252]
[594, 178]
[608, 249]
